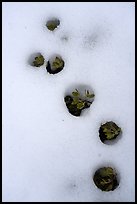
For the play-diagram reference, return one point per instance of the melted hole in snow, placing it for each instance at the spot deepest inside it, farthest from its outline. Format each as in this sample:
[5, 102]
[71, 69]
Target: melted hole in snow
[110, 133]
[52, 23]
[55, 64]
[78, 98]
[106, 178]
[33, 61]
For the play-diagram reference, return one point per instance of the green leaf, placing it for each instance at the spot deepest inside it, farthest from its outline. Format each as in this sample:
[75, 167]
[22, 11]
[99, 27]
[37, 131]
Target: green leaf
[39, 61]
[75, 93]
[88, 94]
[75, 101]
[57, 63]
[80, 105]
[111, 130]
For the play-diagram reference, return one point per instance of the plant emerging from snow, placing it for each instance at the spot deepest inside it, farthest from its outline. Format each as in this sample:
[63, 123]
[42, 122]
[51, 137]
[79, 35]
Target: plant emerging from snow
[39, 61]
[77, 102]
[105, 179]
[57, 63]
[109, 131]
[52, 24]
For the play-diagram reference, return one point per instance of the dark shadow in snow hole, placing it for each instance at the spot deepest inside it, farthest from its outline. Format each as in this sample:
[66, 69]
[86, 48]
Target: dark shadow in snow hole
[78, 98]
[36, 59]
[55, 64]
[110, 133]
[106, 178]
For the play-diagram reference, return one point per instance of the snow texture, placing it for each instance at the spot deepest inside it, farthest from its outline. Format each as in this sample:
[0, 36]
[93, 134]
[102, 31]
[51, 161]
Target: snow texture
[49, 154]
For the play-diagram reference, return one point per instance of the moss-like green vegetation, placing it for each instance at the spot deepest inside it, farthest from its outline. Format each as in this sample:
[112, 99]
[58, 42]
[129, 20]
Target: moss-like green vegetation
[55, 66]
[105, 179]
[57, 63]
[39, 61]
[76, 103]
[109, 131]
[52, 24]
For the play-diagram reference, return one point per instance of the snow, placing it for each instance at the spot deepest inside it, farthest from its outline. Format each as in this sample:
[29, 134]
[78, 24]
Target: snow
[48, 154]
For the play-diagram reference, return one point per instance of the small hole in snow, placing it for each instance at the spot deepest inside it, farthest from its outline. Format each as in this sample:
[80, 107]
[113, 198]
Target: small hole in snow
[36, 60]
[79, 98]
[55, 64]
[52, 24]
[106, 179]
[109, 133]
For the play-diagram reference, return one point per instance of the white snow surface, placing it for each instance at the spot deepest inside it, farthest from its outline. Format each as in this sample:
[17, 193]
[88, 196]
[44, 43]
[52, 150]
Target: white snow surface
[49, 154]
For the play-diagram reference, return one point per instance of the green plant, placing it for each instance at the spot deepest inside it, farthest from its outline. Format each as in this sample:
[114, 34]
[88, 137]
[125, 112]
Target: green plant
[39, 61]
[105, 179]
[109, 131]
[78, 101]
[52, 24]
[57, 63]
[88, 94]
